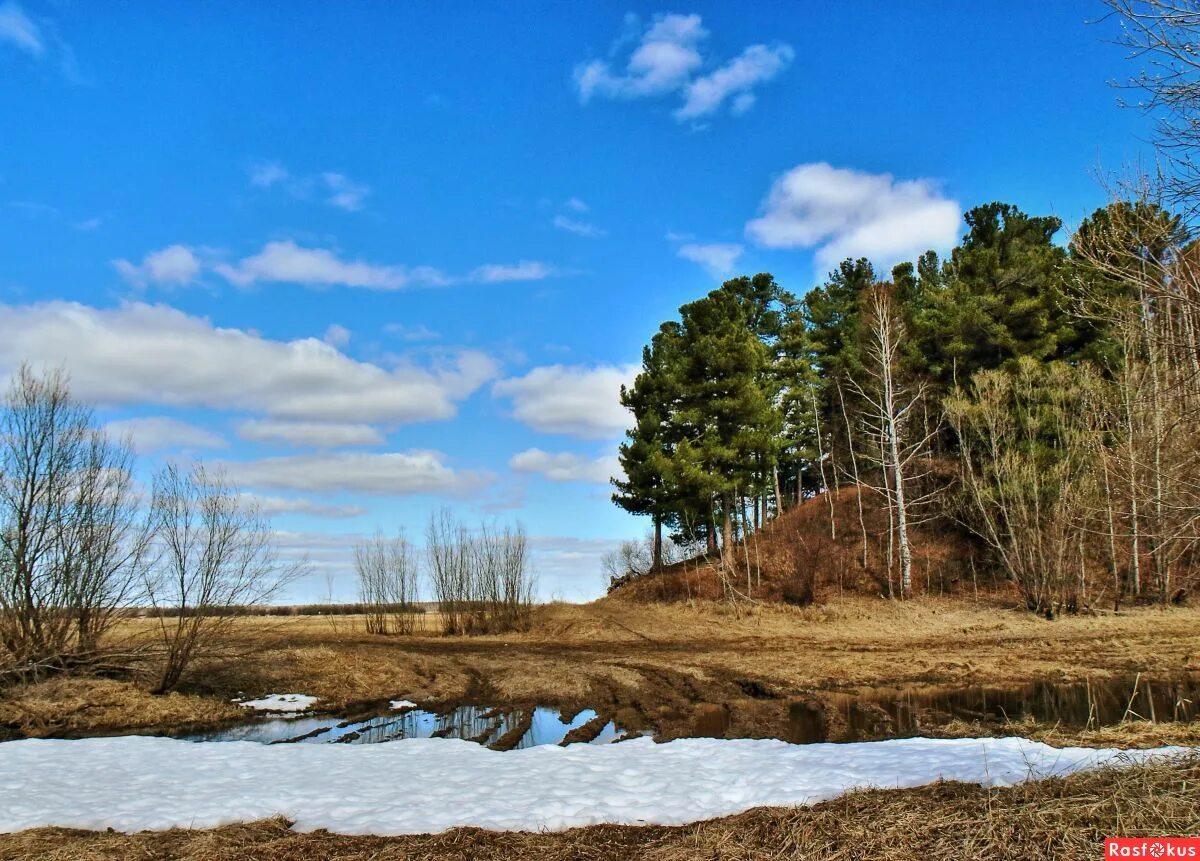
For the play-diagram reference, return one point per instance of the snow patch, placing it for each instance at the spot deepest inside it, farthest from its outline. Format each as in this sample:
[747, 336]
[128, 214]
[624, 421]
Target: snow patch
[396, 705]
[281, 703]
[429, 785]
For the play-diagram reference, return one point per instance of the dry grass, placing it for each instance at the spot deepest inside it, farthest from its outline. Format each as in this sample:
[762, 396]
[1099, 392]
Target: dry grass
[1064, 818]
[1127, 735]
[650, 665]
[73, 705]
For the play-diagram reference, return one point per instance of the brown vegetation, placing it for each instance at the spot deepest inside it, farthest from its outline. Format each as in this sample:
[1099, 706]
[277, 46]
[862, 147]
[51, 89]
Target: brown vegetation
[647, 665]
[798, 558]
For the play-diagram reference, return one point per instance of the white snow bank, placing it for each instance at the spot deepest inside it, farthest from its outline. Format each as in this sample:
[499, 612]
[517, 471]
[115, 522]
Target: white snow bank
[429, 785]
[396, 705]
[281, 703]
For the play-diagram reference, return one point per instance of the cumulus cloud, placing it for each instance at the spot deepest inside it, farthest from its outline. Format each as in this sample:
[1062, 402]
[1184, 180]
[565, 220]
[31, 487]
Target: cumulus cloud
[565, 466]
[173, 266]
[385, 474]
[17, 28]
[666, 58]
[285, 261]
[525, 270]
[313, 434]
[719, 258]
[575, 400]
[344, 193]
[275, 505]
[662, 62]
[139, 353]
[158, 433]
[735, 80]
[578, 227]
[849, 213]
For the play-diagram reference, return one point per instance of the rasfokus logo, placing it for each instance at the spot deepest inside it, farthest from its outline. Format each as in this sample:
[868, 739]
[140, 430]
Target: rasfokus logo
[1152, 847]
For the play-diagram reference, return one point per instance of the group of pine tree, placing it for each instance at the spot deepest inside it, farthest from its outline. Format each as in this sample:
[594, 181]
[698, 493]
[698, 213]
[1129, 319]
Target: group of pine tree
[1038, 394]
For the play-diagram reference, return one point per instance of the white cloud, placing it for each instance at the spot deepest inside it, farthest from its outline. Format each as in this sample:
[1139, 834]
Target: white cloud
[662, 62]
[343, 193]
[718, 258]
[384, 474]
[576, 205]
[18, 29]
[579, 228]
[265, 174]
[666, 58]
[757, 64]
[337, 335]
[565, 466]
[173, 266]
[285, 261]
[848, 213]
[314, 434]
[139, 353]
[574, 400]
[156, 433]
[525, 270]
[271, 506]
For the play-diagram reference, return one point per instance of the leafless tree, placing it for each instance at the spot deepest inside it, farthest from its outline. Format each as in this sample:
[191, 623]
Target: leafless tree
[1162, 35]
[482, 581]
[387, 583]
[633, 559]
[889, 421]
[72, 541]
[1140, 280]
[1029, 478]
[213, 554]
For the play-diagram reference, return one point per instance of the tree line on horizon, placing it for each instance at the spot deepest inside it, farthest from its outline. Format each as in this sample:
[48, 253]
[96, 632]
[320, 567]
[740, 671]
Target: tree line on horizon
[1041, 395]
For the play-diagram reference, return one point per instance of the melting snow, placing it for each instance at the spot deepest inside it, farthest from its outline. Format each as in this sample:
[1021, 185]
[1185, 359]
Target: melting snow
[402, 704]
[429, 785]
[281, 703]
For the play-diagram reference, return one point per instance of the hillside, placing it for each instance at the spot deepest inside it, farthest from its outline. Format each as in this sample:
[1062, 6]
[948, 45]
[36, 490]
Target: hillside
[798, 558]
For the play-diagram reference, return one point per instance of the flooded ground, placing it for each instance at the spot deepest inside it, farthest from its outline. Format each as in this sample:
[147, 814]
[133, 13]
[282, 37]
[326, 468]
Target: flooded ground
[499, 728]
[864, 715]
[897, 712]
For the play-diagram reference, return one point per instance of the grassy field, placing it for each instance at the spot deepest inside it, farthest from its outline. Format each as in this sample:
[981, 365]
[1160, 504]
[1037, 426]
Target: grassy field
[646, 665]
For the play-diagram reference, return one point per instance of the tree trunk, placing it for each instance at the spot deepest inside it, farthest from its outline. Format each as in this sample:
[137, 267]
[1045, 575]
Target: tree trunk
[657, 564]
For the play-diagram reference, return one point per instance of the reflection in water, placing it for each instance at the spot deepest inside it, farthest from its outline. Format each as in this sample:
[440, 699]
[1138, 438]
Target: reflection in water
[897, 712]
[473, 723]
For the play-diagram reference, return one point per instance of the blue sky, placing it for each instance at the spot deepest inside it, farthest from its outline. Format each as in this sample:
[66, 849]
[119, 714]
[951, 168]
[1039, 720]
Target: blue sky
[379, 258]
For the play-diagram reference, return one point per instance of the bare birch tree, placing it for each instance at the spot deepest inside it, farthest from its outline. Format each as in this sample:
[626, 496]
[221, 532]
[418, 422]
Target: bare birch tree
[888, 419]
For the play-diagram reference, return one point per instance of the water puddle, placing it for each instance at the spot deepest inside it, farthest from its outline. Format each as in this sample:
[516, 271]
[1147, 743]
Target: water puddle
[897, 712]
[499, 728]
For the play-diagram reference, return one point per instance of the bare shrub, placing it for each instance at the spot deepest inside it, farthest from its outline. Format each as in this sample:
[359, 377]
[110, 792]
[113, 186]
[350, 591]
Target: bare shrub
[482, 582]
[387, 584]
[72, 542]
[635, 558]
[214, 552]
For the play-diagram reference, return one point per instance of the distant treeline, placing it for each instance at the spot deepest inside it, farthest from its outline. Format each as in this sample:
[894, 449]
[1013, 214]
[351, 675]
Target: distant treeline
[275, 610]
